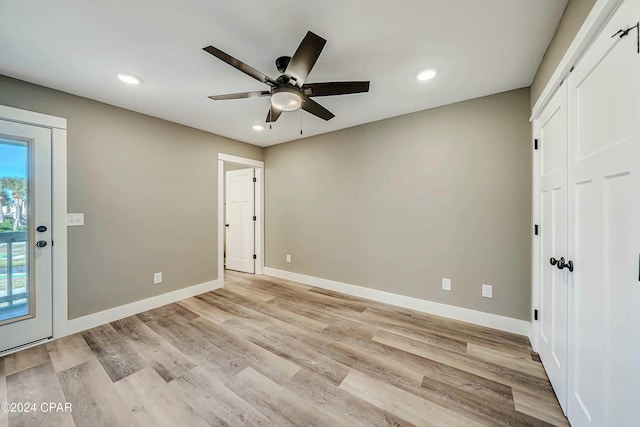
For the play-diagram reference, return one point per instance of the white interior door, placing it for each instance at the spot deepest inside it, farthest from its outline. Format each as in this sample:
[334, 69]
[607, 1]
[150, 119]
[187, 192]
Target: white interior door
[604, 238]
[25, 234]
[239, 222]
[552, 341]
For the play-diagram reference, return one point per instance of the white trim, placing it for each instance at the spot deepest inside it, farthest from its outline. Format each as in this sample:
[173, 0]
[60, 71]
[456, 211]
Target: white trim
[535, 241]
[32, 118]
[592, 25]
[259, 206]
[494, 321]
[59, 229]
[103, 317]
[240, 160]
[221, 221]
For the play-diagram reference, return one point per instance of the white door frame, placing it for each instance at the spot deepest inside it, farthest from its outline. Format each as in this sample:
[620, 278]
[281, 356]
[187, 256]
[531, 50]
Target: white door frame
[59, 282]
[259, 206]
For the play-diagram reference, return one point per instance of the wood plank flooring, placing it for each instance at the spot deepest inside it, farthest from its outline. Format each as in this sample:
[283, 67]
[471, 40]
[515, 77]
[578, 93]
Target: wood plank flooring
[264, 351]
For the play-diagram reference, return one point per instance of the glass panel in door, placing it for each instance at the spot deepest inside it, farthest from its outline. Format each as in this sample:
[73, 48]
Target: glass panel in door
[16, 292]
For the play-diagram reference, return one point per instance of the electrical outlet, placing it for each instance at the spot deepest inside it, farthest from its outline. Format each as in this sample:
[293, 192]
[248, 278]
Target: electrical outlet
[157, 278]
[288, 258]
[75, 219]
[487, 291]
[446, 284]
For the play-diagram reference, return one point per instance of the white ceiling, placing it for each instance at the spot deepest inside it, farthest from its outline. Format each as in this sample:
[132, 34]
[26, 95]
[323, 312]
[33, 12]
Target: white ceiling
[480, 47]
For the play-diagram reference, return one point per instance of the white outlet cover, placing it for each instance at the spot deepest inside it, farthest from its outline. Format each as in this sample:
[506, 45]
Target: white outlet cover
[157, 278]
[288, 258]
[75, 219]
[487, 291]
[446, 284]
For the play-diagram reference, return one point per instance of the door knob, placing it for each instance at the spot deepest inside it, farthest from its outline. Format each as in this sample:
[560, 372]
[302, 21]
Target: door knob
[41, 243]
[41, 229]
[553, 261]
[226, 225]
[565, 264]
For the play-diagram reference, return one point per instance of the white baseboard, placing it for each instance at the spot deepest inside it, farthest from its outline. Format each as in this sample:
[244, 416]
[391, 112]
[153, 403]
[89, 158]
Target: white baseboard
[489, 320]
[96, 319]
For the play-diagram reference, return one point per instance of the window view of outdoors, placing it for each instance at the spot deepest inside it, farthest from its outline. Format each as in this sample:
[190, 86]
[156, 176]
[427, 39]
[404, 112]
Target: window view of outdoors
[14, 289]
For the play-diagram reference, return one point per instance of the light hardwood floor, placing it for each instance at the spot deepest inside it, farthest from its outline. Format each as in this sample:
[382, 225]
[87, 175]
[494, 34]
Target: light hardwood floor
[265, 351]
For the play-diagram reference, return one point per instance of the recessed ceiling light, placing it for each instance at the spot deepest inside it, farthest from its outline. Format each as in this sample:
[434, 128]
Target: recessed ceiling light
[129, 79]
[257, 128]
[427, 74]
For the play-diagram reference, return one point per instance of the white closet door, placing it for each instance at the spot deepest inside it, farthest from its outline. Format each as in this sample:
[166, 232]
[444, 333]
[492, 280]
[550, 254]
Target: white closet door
[552, 340]
[604, 233]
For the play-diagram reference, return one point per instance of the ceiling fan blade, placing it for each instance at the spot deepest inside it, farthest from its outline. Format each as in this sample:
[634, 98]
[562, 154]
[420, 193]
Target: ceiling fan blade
[240, 65]
[254, 94]
[305, 58]
[334, 88]
[273, 114]
[311, 106]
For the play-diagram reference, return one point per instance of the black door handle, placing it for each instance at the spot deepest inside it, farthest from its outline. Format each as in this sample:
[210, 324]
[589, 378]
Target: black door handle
[226, 225]
[41, 243]
[562, 264]
[553, 261]
[41, 229]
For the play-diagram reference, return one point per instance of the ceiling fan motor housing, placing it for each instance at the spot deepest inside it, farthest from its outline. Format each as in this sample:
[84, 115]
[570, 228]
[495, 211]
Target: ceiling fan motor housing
[282, 63]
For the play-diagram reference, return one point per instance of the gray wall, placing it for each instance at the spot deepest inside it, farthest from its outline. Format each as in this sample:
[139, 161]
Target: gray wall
[574, 15]
[148, 189]
[398, 204]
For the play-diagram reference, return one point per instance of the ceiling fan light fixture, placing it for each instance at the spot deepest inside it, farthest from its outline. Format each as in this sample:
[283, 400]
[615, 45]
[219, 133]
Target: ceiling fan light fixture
[129, 79]
[427, 74]
[285, 99]
[257, 128]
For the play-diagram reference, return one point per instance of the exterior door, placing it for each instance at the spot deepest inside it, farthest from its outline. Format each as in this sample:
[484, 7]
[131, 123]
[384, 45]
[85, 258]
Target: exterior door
[25, 234]
[604, 234]
[240, 223]
[552, 343]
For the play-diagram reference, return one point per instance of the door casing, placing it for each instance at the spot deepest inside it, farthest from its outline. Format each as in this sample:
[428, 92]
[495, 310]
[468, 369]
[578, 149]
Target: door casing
[259, 208]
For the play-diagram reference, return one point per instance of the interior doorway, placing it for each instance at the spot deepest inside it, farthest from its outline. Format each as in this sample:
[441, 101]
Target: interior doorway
[240, 214]
[239, 218]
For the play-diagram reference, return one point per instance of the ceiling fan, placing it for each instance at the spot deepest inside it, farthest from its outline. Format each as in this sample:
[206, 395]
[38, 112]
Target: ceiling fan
[289, 91]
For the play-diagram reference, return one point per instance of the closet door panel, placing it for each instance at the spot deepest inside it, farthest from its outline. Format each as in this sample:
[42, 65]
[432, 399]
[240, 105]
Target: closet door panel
[552, 342]
[604, 230]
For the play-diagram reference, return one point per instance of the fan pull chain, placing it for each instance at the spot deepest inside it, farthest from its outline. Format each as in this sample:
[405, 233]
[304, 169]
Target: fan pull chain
[300, 110]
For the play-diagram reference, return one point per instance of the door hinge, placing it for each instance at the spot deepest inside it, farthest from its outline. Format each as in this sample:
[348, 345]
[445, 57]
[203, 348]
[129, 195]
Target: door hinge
[536, 230]
[535, 144]
[624, 33]
[254, 218]
[255, 179]
[255, 256]
[535, 314]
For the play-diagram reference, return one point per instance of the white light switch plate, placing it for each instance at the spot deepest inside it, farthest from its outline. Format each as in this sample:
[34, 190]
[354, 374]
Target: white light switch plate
[157, 278]
[446, 284]
[75, 219]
